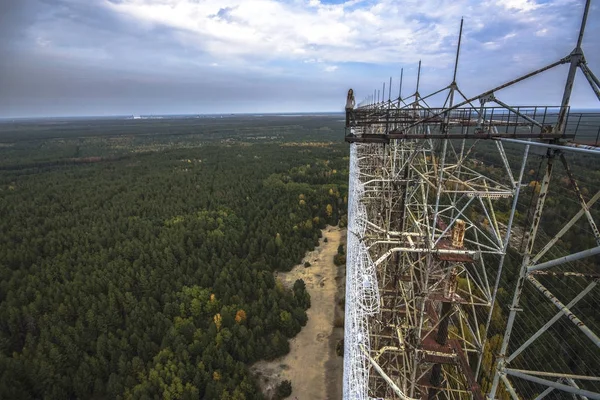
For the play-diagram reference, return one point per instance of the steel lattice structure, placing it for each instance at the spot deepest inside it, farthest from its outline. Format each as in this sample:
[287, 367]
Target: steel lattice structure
[426, 251]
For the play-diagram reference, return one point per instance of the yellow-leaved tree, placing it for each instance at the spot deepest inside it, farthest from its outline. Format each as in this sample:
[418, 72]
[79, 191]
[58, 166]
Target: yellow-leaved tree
[240, 316]
[218, 320]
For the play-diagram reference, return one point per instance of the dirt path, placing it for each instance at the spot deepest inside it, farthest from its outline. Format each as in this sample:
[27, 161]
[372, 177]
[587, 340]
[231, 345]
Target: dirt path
[312, 364]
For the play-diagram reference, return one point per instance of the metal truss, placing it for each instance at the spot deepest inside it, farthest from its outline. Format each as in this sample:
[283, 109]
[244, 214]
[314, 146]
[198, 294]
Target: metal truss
[419, 232]
[426, 250]
[544, 265]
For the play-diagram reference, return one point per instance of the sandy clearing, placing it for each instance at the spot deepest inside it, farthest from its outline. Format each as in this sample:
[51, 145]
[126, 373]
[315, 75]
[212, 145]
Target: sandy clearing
[312, 364]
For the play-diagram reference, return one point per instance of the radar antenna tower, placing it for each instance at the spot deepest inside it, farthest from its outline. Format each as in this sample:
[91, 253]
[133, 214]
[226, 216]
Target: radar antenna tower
[433, 229]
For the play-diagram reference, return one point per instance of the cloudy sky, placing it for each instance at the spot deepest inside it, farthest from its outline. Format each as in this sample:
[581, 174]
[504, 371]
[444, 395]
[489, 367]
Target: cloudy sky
[107, 57]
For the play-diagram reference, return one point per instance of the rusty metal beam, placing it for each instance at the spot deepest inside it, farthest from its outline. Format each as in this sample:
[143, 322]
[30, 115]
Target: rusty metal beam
[580, 198]
[565, 310]
[548, 324]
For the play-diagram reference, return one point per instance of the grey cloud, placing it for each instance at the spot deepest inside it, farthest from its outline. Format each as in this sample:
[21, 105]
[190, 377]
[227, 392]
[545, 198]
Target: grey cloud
[145, 69]
[15, 17]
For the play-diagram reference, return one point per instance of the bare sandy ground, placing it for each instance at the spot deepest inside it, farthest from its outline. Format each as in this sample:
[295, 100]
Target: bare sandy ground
[312, 364]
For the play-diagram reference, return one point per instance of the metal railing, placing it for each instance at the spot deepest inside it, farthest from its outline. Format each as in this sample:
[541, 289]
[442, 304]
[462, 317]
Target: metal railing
[483, 122]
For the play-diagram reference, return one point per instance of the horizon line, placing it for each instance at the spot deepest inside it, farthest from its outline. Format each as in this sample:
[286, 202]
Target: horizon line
[171, 115]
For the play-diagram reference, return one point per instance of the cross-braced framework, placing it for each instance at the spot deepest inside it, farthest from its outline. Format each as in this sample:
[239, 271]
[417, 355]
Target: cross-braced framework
[432, 228]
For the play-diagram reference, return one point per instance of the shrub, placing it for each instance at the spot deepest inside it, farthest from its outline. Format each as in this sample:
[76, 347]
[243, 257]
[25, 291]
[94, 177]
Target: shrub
[339, 259]
[284, 389]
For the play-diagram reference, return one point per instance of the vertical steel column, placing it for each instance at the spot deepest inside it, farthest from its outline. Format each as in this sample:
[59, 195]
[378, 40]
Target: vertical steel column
[511, 218]
[400, 89]
[576, 58]
[439, 188]
[537, 216]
